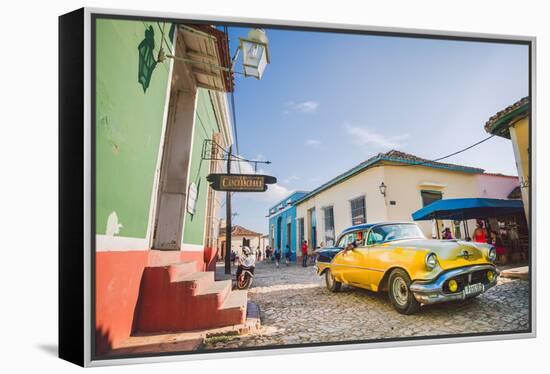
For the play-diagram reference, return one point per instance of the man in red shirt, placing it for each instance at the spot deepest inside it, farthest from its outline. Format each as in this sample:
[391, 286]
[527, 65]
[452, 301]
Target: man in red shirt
[304, 253]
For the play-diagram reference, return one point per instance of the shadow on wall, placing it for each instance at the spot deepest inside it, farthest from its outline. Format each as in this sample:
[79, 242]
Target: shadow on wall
[210, 257]
[103, 343]
[147, 61]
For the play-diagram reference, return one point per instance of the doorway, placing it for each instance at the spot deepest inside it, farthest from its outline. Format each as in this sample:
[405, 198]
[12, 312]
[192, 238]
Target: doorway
[172, 194]
[313, 228]
[289, 235]
[279, 232]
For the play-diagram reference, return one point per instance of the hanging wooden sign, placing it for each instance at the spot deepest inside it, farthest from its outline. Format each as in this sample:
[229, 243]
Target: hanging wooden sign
[240, 182]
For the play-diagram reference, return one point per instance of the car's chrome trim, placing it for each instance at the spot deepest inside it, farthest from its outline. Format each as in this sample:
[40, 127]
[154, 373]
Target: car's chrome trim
[357, 267]
[431, 292]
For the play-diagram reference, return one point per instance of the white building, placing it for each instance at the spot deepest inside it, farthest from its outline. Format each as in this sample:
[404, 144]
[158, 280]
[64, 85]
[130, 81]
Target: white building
[390, 187]
[241, 236]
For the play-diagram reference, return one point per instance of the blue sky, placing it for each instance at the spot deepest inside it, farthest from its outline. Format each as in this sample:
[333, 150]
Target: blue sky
[328, 101]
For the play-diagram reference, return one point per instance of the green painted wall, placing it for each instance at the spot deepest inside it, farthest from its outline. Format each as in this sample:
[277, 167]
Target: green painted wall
[128, 124]
[205, 125]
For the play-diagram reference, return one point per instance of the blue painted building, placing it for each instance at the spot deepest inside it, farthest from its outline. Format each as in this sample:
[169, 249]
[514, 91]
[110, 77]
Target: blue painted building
[282, 224]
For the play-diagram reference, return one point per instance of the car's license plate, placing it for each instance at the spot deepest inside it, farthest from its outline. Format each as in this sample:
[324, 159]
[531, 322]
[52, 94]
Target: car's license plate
[473, 288]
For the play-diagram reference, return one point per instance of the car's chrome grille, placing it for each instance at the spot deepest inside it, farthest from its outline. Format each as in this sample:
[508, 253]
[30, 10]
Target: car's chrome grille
[463, 280]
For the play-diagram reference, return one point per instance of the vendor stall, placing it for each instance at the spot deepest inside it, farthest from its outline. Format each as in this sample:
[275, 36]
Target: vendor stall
[503, 221]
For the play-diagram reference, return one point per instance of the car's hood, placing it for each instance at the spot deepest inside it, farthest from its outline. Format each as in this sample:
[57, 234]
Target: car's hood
[326, 254]
[450, 253]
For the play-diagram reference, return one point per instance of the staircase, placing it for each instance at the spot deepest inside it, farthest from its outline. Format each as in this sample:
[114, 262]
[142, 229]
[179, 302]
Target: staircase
[178, 298]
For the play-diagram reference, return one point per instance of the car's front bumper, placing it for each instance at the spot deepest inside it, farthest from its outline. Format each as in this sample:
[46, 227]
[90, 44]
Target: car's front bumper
[431, 292]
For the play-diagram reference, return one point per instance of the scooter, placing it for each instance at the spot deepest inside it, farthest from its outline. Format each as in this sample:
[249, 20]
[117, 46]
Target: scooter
[245, 269]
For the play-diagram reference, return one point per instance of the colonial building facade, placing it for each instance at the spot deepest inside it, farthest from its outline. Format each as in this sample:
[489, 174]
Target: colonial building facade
[390, 187]
[242, 237]
[158, 124]
[284, 229]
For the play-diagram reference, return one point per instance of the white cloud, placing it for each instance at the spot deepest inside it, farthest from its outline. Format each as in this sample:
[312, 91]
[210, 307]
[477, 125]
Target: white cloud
[316, 179]
[290, 179]
[365, 137]
[313, 142]
[274, 193]
[302, 106]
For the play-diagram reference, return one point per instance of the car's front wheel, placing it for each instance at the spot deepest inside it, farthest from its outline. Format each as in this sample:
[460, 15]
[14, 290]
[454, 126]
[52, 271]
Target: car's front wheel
[332, 284]
[400, 294]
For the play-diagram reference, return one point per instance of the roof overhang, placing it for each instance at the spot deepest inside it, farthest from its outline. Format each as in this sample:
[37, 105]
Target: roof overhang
[383, 160]
[500, 123]
[206, 51]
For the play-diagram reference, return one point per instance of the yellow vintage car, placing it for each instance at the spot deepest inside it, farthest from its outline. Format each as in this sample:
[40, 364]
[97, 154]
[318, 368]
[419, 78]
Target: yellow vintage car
[397, 258]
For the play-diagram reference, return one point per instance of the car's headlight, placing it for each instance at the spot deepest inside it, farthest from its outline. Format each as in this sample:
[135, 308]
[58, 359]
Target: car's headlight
[492, 254]
[431, 261]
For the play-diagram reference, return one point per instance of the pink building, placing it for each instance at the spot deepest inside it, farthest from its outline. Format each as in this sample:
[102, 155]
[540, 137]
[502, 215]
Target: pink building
[496, 186]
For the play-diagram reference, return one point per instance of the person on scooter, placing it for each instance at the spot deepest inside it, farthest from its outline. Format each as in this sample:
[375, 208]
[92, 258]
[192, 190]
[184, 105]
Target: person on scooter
[247, 263]
[247, 253]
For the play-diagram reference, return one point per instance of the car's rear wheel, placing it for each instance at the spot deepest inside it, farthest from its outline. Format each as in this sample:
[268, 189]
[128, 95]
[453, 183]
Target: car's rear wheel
[400, 294]
[332, 284]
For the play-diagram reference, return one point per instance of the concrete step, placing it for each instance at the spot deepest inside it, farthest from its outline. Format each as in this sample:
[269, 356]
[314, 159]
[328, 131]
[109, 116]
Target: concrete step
[236, 299]
[196, 282]
[173, 300]
[516, 273]
[233, 310]
[181, 269]
[218, 290]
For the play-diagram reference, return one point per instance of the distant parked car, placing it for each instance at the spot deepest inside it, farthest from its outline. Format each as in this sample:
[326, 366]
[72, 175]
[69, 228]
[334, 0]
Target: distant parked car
[397, 258]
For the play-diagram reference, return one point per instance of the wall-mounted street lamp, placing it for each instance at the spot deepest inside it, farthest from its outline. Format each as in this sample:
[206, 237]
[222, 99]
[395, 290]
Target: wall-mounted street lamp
[382, 189]
[255, 49]
[255, 53]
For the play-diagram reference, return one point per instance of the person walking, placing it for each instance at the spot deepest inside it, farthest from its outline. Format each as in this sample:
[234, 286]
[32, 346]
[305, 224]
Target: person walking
[277, 257]
[304, 253]
[288, 253]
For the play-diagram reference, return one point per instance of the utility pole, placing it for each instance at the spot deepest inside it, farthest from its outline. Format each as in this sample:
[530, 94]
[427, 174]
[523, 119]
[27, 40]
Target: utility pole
[228, 221]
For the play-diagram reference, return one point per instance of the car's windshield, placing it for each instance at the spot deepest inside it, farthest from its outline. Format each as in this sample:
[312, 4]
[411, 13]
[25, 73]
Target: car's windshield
[385, 233]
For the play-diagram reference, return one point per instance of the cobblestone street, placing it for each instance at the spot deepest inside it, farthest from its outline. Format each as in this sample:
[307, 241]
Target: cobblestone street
[296, 308]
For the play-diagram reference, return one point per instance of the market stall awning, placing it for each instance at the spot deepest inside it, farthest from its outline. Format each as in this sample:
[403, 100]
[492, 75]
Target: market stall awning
[460, 209]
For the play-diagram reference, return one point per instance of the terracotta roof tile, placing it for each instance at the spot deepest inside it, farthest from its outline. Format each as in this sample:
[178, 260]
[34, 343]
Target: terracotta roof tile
[402, 156]
[237, 230]
[492, 124]
[501, 175]
[393, 156]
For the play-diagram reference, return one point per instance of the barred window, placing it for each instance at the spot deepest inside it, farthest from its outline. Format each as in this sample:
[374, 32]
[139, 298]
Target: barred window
[328, 214]
[301, 233]
[358, 211]
[429, 197]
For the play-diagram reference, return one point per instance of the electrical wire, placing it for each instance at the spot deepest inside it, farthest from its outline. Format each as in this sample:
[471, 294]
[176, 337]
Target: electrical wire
[234, 122]
[411, 164]
[233, 112]
[451, 154]
[464, 149]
